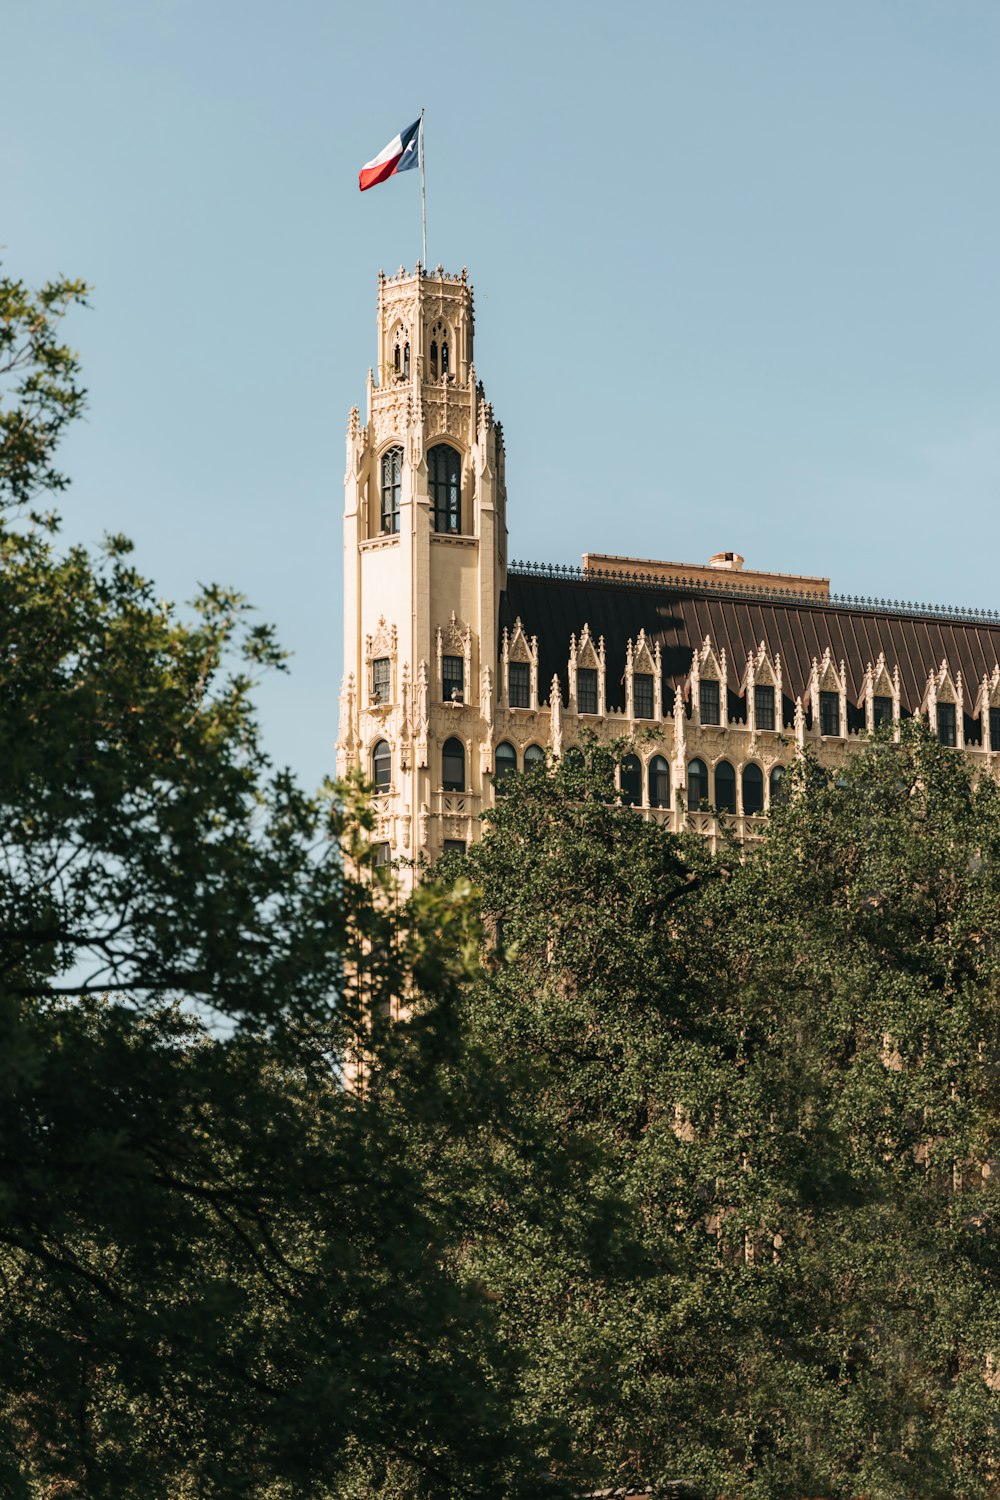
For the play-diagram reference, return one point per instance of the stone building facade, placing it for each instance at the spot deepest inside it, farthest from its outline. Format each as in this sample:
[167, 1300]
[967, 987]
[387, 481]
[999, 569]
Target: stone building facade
[461, 667]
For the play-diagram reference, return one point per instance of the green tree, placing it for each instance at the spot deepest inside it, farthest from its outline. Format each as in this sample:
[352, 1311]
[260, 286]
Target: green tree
[784, 1064]
[221, 1273]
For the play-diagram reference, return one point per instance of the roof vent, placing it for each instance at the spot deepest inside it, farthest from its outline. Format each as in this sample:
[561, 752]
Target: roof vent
[732, 562]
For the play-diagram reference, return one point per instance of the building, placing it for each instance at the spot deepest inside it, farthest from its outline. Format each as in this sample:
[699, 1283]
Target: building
[462, 667]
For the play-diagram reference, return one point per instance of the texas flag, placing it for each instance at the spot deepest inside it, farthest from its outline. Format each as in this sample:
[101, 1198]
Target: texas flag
[402, 153]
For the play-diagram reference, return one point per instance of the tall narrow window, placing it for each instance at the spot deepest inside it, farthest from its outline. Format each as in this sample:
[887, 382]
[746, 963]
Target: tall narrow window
[534, 755]
[778, 792]
[763, 707]
[382, 856]
[642, 695]
[586, 690]
[995, 728]
[753, 790]
[444, 356]
[504, 762]
[453, 766]
[519, 684]
[395, 359]
[444, 473]
[392, 482]
[697, 786]
[946, 723]
[708, 700]
[452, 679]
[725, 787]
[382, 766]
[659, 782]
[434, 359]
[881, 711]
[829, 713]
[381, 685]
[630, 777]
[406, 359]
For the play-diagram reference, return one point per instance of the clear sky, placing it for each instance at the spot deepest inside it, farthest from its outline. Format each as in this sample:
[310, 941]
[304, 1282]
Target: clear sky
[737, 270]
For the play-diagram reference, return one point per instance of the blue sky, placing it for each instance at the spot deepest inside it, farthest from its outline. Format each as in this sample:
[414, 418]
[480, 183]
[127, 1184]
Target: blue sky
[735, 266]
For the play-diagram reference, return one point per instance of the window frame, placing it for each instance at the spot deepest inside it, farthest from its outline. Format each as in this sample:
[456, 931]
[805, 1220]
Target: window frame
[950, 727]
[510, 762]
[760, 688]
[456, 679]
[882, 710]
[380, 696]
[444, 485]
[390, 490]
[382, 779]
[724, 766]
[658, 770]
[631, 766]
[829, 702]
[714, 714]
[448, 783]
[590, 674]
[523, 670]
[702, 804]
[747, 777]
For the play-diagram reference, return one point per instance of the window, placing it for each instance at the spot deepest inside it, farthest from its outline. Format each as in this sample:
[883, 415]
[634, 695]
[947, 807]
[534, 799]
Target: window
[881, 711]
[444, 356]
[708, 701]
[586, 690]
[434, 359]
[630, 777]
[697, 786]
[406, 359]
[946, 723]
[574, 758]
[778, 792]
[534, 756]
[763, 707]
[381, 689]
[725, 787]
[753, 790]
[995, 728]
[380, 856]
[453, 846]
[453, 766]
[829, 713]
[444, 475]
[519, 684]
[452, 679]
[659, 782]
[382, 766]
[392, 479]
[642, 695]
[504, 762]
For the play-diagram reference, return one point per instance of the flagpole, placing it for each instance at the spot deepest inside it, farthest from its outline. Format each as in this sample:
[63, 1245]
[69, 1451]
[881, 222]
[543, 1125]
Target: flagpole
[423, 194]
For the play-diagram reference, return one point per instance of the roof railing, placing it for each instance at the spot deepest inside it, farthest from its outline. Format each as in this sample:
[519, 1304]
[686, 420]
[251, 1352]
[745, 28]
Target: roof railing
[570, 573]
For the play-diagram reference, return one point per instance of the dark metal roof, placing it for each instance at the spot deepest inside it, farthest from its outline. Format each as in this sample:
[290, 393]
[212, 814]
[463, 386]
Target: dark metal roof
[555, 607]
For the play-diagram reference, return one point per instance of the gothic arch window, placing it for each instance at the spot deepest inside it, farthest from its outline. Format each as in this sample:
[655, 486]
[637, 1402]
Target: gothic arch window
[778, 791]
[434, 359]
[725, 787]
[630, 778]
[505, 762]
[382, 766]
[697, 786]
[753, 789]
[444, 474]
[392, 482]
[574, 758]
[659, 782]
[534, 755]
[406, 361]
[453, 766]
[444, 356]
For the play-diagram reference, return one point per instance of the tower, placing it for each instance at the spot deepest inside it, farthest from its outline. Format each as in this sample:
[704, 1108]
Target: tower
[425, 559]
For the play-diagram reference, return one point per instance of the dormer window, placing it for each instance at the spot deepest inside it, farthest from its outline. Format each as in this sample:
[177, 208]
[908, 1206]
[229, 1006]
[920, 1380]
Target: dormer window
[829, 714]
[642, 695]
[708, 701]
[946, 723]
[519, 684]
[586, 690]
[881, 711]
[763, 707]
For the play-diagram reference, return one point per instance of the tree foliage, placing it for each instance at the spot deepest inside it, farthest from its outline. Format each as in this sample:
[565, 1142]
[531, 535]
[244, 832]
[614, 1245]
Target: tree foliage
[784, 1062]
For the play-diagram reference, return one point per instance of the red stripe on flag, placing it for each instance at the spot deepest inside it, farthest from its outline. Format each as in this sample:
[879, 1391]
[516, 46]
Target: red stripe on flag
[370, 176]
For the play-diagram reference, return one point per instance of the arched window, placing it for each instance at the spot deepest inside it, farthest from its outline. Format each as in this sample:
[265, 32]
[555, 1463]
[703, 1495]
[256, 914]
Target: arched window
[574, 758]
[630, 778]
[444, 474]
[659, 782]
[534, 756]
[453, 766]
[753, 789]
[697, 786]
[392, 480]
[779, 793]
[434, 359]
[382, 766]
[504, 762]
[725, 787]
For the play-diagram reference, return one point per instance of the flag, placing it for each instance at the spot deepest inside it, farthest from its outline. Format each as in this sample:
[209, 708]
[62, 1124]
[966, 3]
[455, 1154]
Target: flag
[402, 153]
